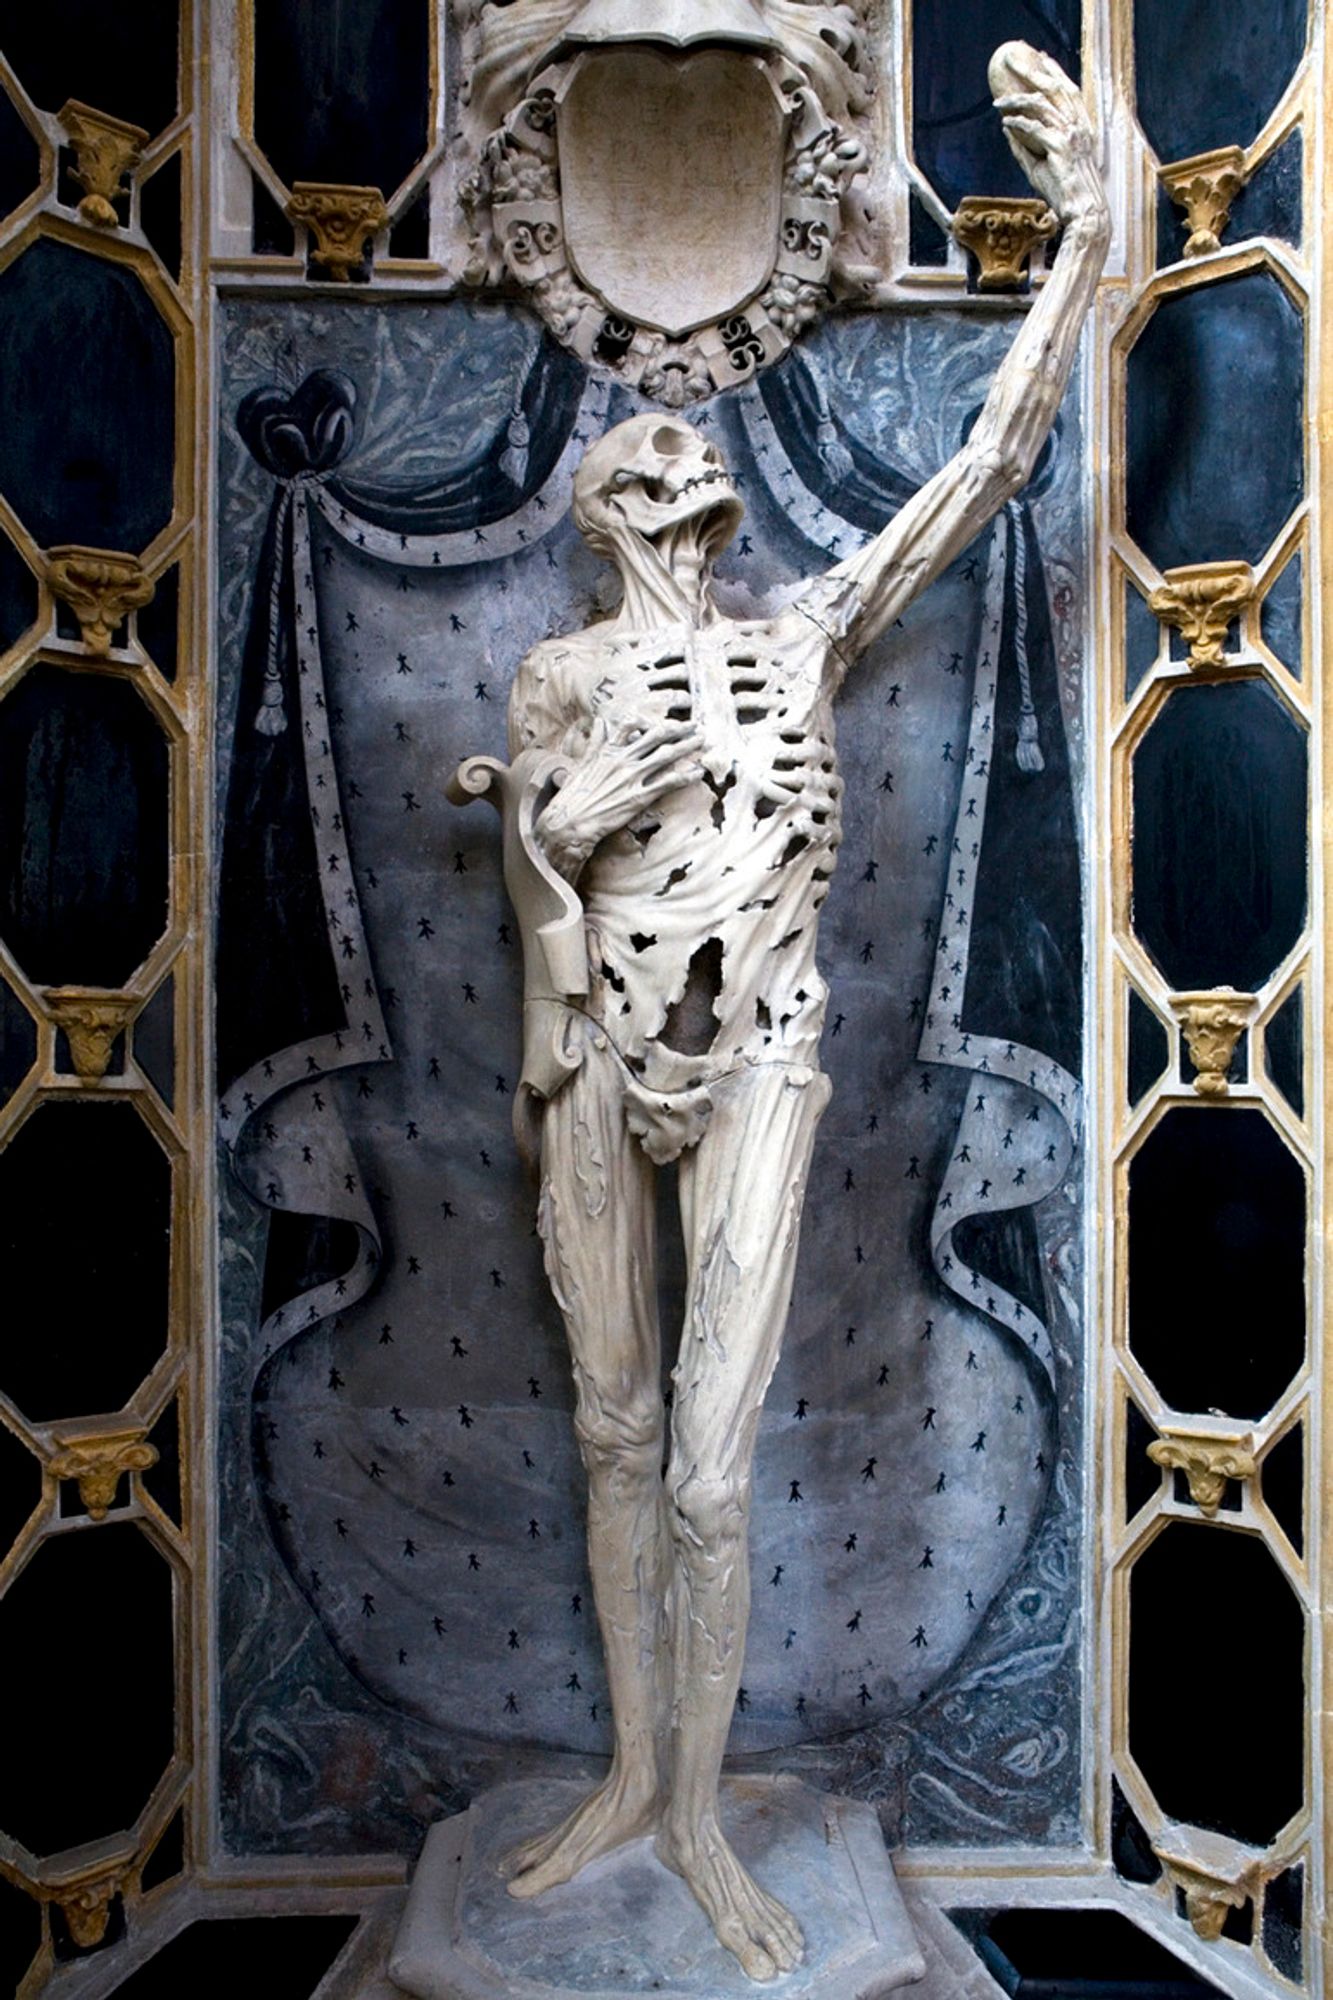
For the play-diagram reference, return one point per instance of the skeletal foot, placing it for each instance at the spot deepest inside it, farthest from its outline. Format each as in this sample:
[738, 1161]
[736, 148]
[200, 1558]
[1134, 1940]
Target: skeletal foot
[619, 1810]
[764, 1937]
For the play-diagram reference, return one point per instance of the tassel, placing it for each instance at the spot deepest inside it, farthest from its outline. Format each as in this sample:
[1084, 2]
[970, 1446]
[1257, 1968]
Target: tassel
[1027, 752]
[833, 453]
[271, 716]
[514, 457]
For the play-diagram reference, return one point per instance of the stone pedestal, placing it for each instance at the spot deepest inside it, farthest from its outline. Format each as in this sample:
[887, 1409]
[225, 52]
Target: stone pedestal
[627, 1925]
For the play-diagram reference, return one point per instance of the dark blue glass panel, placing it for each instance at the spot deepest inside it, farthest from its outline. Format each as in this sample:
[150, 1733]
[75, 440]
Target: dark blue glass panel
[1148, 1049]
[122, 61]
[1284, 1901]
[159, 624]
[20, 1485]
[342, 90]
[1076, 1955]
[18, 595]
[1280, 616]
[1142, 1477]
[155, 1040]
[1205, 481]
[20, 158]
[167, 1858]
[86, 1783]
[1219, 850]
[220, 1954]
[1177, 1718]
[957, 137]
[163, 1480]
[1217, 1260]
[83, 828]
[104, 1310]
[1143, 639]
[18, 1042]
[410, 235]
[927, 242]
[1284, 1050]
[160, 213]
[88, 442]
[1208, 72]
[1271, 204]
[1284, 1485]
[1132, 1854]
[271, 235]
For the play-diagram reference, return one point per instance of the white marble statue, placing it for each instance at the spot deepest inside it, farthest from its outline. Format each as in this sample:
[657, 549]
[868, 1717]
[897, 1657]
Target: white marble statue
[672, 822]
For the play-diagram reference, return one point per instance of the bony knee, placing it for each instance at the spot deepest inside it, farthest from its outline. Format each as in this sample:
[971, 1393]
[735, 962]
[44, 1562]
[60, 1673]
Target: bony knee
[708, 1512]
[621, 1436]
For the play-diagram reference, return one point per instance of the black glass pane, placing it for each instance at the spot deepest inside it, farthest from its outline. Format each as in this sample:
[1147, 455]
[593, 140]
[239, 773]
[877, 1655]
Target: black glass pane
[1131, 1850]
[1216, 1260]
[20, 157]
[1148, 1049]
[85, 1783]
[342, 90]
[160, 213]
[168, 1857]
[1284, 1050]
[83, 828]
[159, 623]
[18, 1042]
[163, 1480]
[271, 235]
[155, 1041]
[20, 1933]
[1284, 1485]
[957, 137]
[927, 242]
[1142, 1477]
[1077, 1955]
[90, 1175]
[1271, 203]
[1280, 616]
[1219, 854]
[1205, 482]
[410, 235]
[18, 595]
[220, 1954]
[20, 1490]
[1189, 1732]
[88, 441]
[1208, 72]
[1143, 639]
[124, 64]
[1284, 1901]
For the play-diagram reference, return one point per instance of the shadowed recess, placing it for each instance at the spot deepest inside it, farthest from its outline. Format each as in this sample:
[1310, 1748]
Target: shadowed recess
[342, 90]
[1131, 1850]
[1148, 1049]
[83, 828]
[1216, 1251]
[160, 213]
[1270, 204]
[1284, 1485]
[957, 139]
[168, 1857]
[1284, 1903]
[94, 1781]
[158, 624]
[155, 1041]
[1143, 638]
[1284, 1049]
[1280, 616]
[20, 157]
[1178, 1717]
[1208, 72]
[1219, 894]
[88, 443]
[20, 1485]
[1206, 361]
[18, 594]
[163, 1480]
[1142, 1477]
[90, 1174]
[20, 1932]
[18, 1042]
[1076, 1955]
[222, 1953]
[85, 49]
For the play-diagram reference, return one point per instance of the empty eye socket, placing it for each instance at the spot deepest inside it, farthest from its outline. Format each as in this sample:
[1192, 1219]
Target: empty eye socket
[670, 440]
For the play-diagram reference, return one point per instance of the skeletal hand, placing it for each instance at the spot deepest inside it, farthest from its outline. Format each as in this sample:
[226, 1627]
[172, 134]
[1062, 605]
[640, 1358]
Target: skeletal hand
[623, 771]
[1046, 124]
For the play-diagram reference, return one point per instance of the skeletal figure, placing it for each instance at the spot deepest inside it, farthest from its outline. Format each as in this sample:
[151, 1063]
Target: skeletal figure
[671, 814]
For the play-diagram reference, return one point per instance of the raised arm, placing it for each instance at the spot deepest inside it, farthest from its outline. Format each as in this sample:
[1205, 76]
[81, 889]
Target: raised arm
[1047, 128]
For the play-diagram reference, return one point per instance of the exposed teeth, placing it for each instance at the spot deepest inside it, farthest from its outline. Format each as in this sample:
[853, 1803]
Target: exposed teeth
[701, 479]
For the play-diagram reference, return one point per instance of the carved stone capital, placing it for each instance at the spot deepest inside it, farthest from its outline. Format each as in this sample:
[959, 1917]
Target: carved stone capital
[105, 150]
[101, 587]
[84, 1883]
[91, 1020]
[1207, 1459]
[341, 220]
[99, 1464]
[1213, 1875]
[1212, 1024]
[1205, 187]
[1201, 600]
[1001, 232]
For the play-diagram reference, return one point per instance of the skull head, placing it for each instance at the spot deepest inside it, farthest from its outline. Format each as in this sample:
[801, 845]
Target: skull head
[649, 476]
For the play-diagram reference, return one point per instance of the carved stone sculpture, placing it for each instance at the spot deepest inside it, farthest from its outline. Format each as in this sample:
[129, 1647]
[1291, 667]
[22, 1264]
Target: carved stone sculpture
[671, 824]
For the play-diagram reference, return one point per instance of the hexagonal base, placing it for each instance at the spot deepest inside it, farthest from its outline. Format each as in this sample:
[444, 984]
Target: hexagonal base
[627, 1925]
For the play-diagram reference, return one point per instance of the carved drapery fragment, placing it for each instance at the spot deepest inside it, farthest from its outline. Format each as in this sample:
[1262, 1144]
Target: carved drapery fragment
[1002, 232]
[1207, 1459]
[105, 150]
[91, 1020]
[99, 1464]
[101, 587]
[1212, 1023]
[1205, 187]
[1201, 600]
[340, 219]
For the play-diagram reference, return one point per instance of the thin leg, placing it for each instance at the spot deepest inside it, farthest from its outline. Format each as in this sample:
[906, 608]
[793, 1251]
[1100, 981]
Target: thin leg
[741, 1197]
[597, 1220]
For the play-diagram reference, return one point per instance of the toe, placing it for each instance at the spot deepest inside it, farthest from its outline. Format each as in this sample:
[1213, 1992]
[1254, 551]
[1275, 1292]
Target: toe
[755, 1962]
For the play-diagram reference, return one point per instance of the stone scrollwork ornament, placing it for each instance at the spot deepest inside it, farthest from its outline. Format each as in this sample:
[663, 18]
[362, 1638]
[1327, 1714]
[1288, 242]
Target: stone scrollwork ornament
[673, 198]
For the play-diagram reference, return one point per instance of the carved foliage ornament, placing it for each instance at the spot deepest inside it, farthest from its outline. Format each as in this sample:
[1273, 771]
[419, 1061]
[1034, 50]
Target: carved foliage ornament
[91, 1021]
[1212, 1023]
[99, 1464]
[101, 587]
[105, 150]
[1205, 187]
[1202, 600]
[341, 220]
[673, 198]
[1207, 1461]
[1002, 232]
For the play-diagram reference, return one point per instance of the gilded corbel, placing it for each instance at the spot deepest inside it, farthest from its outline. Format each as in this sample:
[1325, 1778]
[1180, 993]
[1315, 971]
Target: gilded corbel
[100, 1463]
[101, 587]
[105, 150]
[1001, 232]
[341, 221]
[1213, 1874]
[91, 1020]
[84, 1883]
[1205, 186]
[1207, 1459]
[1212, 1023]
[1201, 600]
